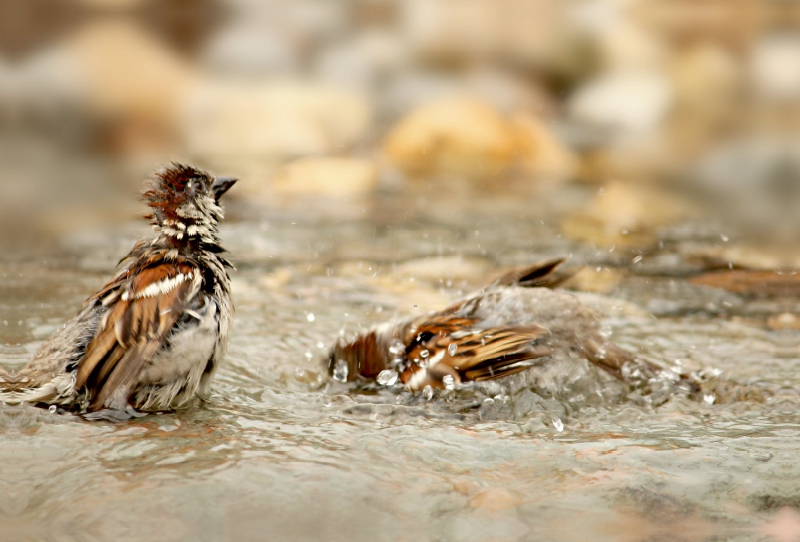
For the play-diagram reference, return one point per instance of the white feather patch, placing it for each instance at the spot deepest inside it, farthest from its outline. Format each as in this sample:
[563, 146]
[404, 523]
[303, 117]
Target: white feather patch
[163, 286]
[436, 359]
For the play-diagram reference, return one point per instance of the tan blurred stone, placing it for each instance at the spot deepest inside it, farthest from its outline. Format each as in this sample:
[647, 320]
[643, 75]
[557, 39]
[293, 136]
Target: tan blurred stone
[705, 78]
[541, 154]
[274, 118]
[460, 136]
[527, 30]
[624, 215]
[626, 45]
[132, 81]
[466, 136]
[318, 176]
[733, 22]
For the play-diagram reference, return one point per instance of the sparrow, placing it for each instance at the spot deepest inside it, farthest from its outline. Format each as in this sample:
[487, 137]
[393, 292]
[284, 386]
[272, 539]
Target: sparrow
[517, 322]
[154, 335]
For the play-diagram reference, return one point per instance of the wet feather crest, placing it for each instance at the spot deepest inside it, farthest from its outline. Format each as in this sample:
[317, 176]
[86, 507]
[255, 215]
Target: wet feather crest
[183, 204]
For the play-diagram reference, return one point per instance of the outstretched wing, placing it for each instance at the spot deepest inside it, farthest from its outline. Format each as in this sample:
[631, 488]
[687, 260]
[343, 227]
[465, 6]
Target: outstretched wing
[144, 305]
[451, 346]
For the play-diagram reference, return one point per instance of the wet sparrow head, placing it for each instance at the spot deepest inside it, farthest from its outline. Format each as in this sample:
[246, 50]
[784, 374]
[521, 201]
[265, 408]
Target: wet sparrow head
[185, 203]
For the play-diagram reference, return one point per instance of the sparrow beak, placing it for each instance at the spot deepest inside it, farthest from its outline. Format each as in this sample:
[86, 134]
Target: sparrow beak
[222, 185]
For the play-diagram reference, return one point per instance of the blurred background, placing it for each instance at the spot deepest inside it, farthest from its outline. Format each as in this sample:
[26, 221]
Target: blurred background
[649, 111]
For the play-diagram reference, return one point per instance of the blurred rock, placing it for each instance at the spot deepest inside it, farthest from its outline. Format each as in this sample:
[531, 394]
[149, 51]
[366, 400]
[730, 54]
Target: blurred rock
[503, 89]
[732, 22]
[633, 101]
[248, 50]
[459, 136]
[523, 30]
[363, 62]
[709, 98]
[706, 78]
[466, 136]
[775, 67]
[274, 118]
[541, 154]
[623, 215]
[623, 43]
[134, 85]
[331, 177]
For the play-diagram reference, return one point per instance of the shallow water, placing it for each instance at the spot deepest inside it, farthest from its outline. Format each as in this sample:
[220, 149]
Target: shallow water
[281, 453]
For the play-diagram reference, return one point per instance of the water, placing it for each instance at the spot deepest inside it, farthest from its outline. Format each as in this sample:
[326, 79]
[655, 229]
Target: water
[281, 452]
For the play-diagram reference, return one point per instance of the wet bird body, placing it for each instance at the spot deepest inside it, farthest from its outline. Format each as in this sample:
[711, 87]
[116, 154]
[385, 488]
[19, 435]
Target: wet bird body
[515, 323]
[154, 335]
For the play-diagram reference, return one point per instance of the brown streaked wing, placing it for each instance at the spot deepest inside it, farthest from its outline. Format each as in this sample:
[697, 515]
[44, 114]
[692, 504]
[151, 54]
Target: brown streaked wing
[480, 354]
[133, 332]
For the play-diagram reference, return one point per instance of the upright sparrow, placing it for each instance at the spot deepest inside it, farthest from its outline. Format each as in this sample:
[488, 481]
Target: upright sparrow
[153, 337]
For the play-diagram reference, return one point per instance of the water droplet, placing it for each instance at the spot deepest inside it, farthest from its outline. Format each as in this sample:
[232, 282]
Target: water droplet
[321, 345]
[387, 377]
[397, 347]
[558, 424]
[52, 409]
[452, 349]
[449, 382]
[310, 317]
[427, 393]
[341, 370]
[309, 355]
[424, 353]
[709, 398]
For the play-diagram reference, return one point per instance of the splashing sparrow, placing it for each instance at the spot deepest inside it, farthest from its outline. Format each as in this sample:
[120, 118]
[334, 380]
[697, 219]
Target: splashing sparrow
[517, 322]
